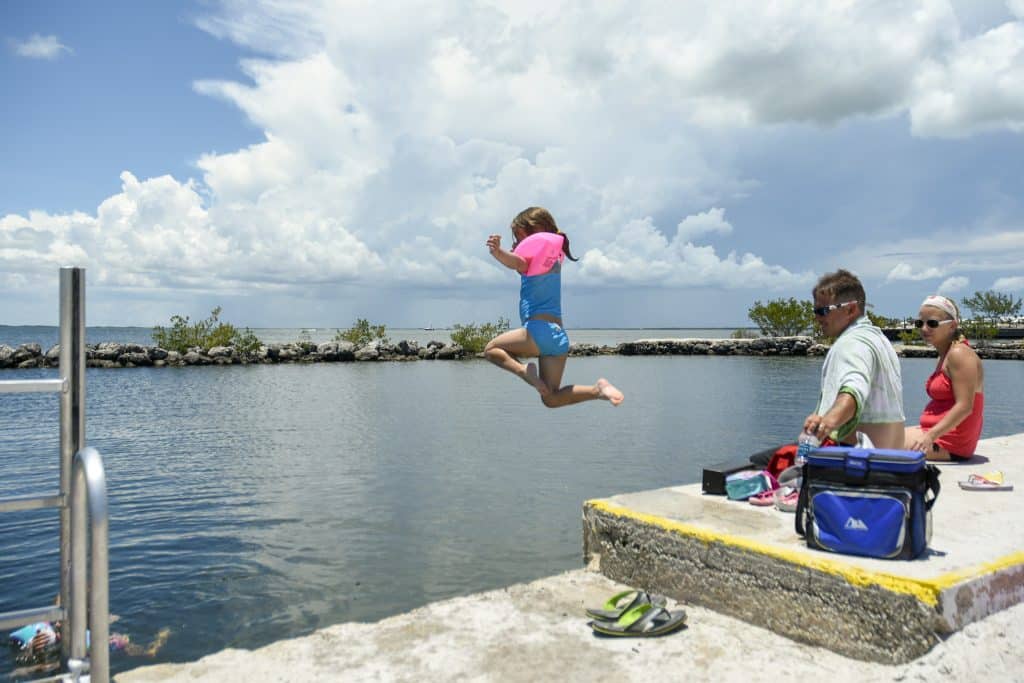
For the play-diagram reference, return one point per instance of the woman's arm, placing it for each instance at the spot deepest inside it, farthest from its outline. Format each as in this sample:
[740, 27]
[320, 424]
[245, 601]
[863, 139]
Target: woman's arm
[506, 258]
[962, 368]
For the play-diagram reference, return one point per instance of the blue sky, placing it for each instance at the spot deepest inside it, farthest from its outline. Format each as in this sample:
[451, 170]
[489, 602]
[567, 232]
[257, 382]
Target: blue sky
[117, 96]
[303, 165]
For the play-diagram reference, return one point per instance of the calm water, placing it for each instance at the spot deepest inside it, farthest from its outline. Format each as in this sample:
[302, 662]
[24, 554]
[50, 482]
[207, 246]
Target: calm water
[251, 504]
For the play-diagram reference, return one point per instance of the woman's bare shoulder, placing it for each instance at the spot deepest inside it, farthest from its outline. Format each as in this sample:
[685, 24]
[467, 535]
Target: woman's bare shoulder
[962, 354]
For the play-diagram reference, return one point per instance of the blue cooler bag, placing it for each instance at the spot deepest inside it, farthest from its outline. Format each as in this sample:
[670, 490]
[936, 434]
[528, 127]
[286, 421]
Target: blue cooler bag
[875, 503]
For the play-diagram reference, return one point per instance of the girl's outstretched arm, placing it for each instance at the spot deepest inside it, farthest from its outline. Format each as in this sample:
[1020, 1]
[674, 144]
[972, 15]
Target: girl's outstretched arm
[506, 258]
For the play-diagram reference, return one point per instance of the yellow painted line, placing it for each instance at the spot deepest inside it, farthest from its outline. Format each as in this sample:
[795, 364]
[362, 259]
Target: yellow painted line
[951, 579]
[927, 591]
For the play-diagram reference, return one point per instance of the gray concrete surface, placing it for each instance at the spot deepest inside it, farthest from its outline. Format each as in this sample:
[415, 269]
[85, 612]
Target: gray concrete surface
[537, 632]
[747, 562]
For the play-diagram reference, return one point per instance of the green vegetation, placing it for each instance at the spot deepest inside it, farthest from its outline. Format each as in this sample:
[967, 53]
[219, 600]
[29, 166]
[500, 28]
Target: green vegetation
[246, 343]
[473, 338]
[883, 322]
[979, 330]
[908, 336]
[743, 333]
[362, 333]
[988, 307]
[911, 337]
[783, 317]
[184, 334]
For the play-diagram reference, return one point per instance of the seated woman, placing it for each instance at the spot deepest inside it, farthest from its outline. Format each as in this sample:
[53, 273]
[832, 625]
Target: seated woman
[951, 422]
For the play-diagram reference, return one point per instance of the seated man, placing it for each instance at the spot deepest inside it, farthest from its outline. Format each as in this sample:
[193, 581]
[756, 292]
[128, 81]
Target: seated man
[861, 387]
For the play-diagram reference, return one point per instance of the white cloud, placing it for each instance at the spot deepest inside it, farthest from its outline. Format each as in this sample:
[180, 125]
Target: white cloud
[978, 86]
[641, 255]
[710, 221]
[398, 135]
[1014, 284]
[39, 47]
[158, 234]
[954, 284]
[1016, 7]
[709, 63]
[973, 248]
[903, 271]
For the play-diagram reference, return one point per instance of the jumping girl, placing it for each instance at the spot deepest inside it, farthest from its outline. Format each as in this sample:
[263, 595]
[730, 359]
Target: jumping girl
[538, 250]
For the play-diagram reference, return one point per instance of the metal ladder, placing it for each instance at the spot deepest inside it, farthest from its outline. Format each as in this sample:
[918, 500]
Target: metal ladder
[82, 501]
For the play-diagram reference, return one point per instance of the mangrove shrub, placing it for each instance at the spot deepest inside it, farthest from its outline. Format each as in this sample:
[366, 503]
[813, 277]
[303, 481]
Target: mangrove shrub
[183, 334]
[783, 317]
[362, 333]
[473, 338]
[988, 307]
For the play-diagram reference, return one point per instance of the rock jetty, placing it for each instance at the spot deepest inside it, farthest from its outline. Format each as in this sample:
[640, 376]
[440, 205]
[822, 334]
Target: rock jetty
[117, 355]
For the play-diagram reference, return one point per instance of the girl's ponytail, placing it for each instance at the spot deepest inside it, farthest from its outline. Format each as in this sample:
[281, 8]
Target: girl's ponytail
[565, 245]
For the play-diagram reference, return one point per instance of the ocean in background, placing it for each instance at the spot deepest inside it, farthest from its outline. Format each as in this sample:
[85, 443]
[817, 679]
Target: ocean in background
[250, 504]
[47, 335]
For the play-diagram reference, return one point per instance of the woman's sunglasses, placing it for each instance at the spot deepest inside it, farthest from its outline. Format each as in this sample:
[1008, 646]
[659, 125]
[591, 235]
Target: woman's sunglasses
[930, 323]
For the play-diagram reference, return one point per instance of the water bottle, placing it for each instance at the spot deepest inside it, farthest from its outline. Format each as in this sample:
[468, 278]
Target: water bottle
[805, 443]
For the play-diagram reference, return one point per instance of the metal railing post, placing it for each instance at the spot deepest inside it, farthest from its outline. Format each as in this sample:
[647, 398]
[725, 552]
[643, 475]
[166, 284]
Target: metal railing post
[72, 430]
[89, 501]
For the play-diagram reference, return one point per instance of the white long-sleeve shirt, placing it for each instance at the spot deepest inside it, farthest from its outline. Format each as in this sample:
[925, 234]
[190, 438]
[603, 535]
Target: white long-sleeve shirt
[863, 364]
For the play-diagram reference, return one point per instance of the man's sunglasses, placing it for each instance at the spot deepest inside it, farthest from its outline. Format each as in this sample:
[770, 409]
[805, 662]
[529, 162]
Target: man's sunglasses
[822, 311]
[930, 323]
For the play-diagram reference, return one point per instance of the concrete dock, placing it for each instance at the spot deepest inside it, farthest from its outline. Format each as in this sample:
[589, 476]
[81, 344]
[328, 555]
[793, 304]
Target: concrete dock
[758, 603]
[747, 562]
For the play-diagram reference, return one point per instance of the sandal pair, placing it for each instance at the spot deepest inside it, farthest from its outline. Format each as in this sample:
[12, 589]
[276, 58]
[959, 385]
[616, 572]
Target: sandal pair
[635, 614]
[620, 603]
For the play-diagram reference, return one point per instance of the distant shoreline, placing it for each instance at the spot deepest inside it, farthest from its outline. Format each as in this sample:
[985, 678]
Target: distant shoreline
[117, 355]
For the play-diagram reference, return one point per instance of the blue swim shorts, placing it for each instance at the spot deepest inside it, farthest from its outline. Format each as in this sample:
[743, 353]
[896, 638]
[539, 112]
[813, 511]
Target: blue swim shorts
[550, 338]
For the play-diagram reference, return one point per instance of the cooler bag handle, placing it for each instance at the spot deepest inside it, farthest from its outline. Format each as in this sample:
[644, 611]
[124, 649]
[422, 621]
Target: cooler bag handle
[857, 463]
[932, 482]
[801, 503]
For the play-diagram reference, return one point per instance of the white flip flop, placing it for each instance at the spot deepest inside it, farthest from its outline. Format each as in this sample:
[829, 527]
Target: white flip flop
[993, 481]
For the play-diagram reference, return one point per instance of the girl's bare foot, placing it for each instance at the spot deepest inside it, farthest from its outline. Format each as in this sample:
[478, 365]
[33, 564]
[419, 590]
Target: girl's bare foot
[532, 377]
[609, 392]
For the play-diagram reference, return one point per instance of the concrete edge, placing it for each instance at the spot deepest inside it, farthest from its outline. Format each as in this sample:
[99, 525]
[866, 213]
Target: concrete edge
[974, 594]
[798, 602]
[931, 592]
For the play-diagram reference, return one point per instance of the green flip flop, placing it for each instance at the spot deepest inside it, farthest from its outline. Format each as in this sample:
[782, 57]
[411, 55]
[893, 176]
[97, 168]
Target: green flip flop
[620, 603]
[643, 621]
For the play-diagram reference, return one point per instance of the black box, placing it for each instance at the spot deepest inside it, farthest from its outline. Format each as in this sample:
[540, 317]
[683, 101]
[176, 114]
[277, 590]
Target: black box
[713, 479]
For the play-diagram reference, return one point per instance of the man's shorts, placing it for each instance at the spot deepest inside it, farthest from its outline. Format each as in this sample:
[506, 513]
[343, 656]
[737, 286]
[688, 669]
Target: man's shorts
[549, 337]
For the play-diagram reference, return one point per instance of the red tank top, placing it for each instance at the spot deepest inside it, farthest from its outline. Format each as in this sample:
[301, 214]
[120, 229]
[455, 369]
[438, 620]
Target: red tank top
[962, 439]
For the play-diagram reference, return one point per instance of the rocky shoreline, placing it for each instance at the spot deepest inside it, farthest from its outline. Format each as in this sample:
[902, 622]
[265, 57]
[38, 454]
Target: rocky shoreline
[117, 355]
